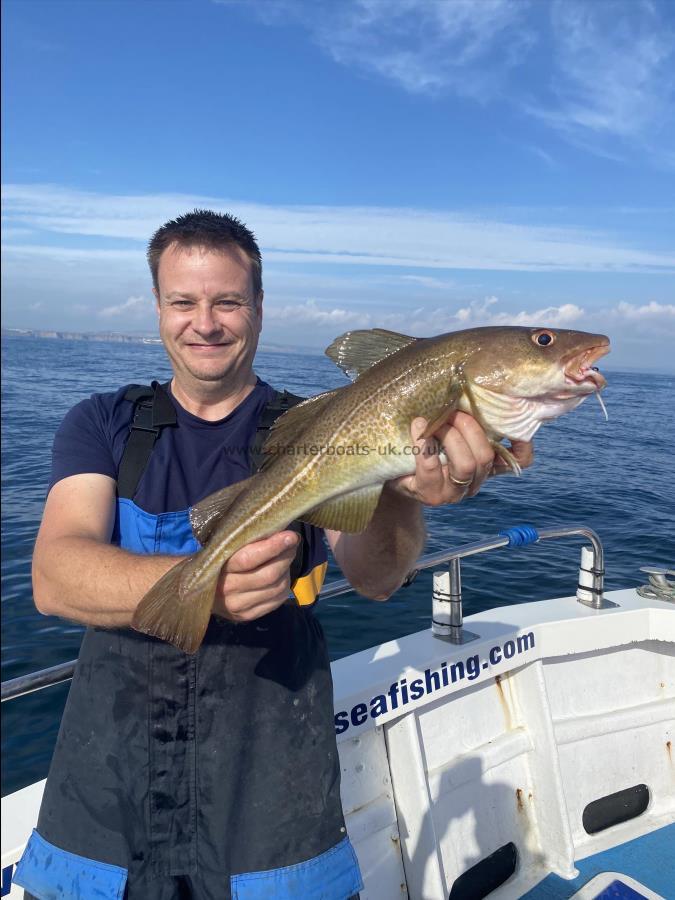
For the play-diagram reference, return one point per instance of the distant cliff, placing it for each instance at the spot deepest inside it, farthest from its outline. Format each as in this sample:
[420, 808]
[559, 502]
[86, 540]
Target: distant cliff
[111, 336]
[80, 336]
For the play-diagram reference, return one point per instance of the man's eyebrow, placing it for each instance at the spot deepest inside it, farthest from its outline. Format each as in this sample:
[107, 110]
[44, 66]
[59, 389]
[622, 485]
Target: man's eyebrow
[186, 295]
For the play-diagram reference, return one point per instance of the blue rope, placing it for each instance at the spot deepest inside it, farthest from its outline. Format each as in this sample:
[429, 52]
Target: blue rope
[519, 535]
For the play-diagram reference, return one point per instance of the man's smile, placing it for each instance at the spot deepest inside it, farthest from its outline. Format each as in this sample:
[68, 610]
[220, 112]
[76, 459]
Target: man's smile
[206, 348]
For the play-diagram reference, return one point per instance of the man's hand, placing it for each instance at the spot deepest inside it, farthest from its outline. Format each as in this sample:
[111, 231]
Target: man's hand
[471, 460]
[256, 580]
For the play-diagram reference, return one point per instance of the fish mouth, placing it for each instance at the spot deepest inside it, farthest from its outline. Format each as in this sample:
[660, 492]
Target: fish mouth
[580, 372]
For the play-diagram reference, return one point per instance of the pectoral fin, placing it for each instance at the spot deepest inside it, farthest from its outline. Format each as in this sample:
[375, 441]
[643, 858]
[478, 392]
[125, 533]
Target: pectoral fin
[206, 515]
[350, 512]
[356, 351]
[454, 393]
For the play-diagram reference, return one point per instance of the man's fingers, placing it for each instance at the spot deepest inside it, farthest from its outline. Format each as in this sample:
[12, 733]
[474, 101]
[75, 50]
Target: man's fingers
[524, 454]
[272, 575]
[428, 470]
[252, 556]
[255, 611]
[475, 438]
[435, 483]
[470, 460]
[256, 579]
[480, 448]
[461, 460]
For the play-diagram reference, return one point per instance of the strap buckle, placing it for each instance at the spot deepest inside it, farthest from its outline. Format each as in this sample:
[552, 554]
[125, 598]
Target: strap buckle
[143, 418]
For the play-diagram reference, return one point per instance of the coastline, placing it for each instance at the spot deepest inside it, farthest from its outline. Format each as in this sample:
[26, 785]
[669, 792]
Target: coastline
[113, 337]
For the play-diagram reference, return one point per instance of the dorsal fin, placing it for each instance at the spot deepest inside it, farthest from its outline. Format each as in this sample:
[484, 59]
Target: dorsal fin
[287, 427]
[356, 351]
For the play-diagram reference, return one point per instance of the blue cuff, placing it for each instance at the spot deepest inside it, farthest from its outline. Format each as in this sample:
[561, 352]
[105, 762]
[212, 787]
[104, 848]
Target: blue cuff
[333, 875]
[50, 873]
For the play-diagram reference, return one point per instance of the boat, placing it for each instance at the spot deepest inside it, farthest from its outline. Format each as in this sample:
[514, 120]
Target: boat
[523, 752]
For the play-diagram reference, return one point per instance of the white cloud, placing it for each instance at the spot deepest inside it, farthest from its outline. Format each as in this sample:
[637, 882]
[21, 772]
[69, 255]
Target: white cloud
[134, 306]
[311, 313]
[481, 313]
[424, 46]
[70, 255]
[12, 233]
[362, 267]
[610, 63]
[479, 309]
[613, 74]
[329, 235]
[488, 311]
[485, 312]
[424, 322]
[428, 281]
[555, 316]
[650, 310]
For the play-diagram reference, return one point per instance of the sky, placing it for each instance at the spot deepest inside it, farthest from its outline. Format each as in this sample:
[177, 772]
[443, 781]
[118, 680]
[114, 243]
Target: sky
[418, 165]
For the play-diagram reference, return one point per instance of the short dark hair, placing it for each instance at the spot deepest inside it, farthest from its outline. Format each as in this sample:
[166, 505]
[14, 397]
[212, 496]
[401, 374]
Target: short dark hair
[208, 229]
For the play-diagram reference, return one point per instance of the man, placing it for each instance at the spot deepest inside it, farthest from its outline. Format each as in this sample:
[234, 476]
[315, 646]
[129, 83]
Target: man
[212, 775]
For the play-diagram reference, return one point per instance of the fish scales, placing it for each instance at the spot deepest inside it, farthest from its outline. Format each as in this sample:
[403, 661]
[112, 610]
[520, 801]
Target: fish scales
[511, 379]
[360, 417]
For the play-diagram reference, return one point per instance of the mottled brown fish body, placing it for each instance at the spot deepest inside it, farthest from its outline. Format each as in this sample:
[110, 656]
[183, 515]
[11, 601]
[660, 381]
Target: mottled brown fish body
[372, 416]
[330, 456]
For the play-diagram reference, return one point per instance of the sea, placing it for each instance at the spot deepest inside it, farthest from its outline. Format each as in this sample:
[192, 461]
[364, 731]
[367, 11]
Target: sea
[615, 476]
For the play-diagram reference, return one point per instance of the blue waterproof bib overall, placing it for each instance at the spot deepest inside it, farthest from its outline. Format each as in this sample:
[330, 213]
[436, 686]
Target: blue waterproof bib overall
[208, 776]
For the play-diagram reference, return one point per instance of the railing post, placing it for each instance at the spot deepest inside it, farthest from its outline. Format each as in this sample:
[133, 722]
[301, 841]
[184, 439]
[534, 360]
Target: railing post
[446, 619]
[591, 579]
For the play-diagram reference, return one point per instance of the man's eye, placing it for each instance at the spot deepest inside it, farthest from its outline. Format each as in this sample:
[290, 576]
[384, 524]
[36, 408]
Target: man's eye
[227, 304]
[182, 304]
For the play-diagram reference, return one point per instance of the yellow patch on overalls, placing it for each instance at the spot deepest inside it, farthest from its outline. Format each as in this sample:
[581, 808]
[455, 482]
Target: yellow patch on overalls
[306, 588]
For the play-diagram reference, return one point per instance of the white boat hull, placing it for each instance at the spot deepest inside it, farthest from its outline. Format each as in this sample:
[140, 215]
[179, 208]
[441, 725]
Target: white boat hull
[451, 752]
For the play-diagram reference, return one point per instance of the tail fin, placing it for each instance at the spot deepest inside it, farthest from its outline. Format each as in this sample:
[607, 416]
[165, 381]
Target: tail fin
[168, 613]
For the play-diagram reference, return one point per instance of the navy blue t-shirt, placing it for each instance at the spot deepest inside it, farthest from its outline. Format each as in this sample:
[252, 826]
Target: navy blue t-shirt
[189, 461]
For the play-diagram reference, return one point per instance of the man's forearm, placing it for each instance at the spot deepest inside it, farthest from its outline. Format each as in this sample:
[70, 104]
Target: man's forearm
[377, 560]
[86, 581]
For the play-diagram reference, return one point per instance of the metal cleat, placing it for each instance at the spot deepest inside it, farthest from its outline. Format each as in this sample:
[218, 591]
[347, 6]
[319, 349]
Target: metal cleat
[660, 587]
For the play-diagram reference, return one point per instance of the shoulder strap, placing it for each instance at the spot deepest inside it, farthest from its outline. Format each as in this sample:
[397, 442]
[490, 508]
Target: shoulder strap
[277, 406]
[153, 411]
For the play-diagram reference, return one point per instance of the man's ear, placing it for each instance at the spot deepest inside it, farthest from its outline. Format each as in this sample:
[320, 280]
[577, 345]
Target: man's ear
[260, 309]
[155, 292]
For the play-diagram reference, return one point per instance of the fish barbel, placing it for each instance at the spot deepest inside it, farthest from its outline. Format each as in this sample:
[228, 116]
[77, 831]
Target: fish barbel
[327, 458]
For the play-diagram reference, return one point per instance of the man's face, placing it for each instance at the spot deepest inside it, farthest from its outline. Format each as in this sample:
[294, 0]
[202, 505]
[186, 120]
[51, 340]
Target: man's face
[209, 318]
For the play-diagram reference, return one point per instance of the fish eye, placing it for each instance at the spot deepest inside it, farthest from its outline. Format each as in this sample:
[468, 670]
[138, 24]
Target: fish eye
[543, 338]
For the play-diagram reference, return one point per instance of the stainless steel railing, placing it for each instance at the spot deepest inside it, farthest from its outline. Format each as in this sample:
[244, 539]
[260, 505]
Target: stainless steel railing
[590, 592]
[35, 681]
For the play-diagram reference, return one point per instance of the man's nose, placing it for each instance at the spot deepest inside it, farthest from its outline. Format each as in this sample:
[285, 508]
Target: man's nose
[205, 321]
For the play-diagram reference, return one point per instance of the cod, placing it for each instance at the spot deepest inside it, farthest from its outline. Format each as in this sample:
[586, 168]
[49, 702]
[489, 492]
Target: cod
[328, 458]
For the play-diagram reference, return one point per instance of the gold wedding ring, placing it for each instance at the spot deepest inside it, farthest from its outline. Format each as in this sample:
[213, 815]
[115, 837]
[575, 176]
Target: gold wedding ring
[457, 481]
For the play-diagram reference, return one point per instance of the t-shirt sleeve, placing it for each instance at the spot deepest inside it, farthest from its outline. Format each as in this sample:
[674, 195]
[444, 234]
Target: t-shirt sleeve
[82, 445]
